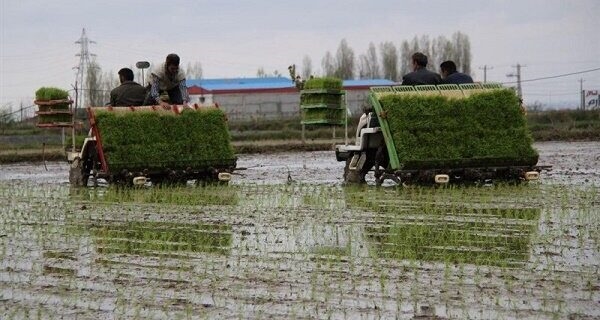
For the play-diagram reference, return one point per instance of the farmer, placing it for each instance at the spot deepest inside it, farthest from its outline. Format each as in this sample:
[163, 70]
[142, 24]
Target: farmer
[451, 76]
[170, 80]
[420, 75]
[129, 93]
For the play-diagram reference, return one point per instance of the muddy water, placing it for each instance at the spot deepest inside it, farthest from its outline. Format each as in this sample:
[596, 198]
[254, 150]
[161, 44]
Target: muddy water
[288, 241]
[575, 163]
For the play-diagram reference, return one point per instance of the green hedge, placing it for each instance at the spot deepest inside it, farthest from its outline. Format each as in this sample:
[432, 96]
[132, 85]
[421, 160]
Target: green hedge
[323, 83]
[158, 140]
[486, 129]
[51, 93]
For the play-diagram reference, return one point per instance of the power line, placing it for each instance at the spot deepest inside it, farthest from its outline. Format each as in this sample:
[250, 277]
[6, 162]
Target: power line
[552, 77]
[6, 115]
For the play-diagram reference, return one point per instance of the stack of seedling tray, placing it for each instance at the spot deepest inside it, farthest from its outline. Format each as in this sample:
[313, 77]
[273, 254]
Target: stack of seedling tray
[54, 108]
[485, 129]
[151, 138]
[321, 102]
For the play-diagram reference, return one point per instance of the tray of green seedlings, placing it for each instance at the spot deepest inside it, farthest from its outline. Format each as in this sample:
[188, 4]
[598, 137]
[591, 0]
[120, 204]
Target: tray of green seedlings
[323, 85]
[323, 116]
[51, 99]
[320, 100]
[155, 140]
[485, 129]
[54, 107]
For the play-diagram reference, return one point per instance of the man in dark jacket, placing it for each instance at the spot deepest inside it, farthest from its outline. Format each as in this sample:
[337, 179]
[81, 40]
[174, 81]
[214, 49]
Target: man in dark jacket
[451, 76]
[129, 93]
[420, 74]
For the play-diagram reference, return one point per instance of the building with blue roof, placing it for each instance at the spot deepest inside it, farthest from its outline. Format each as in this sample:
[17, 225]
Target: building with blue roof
[268, 97]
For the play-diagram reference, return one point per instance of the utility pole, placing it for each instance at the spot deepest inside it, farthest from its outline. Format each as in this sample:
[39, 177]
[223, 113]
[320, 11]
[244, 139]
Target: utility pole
[518, 75]
[485, 69]
[582, 93]
[84, 61]
[21, 109]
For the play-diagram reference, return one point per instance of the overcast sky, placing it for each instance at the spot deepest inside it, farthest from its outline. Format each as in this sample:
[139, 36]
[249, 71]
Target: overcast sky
[235, 38]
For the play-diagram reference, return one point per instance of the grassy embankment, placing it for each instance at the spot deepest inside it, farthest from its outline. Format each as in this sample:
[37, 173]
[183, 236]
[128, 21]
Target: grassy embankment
[25, 142]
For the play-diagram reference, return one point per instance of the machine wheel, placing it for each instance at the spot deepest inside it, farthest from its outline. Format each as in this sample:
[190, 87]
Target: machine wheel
[358, 176]
[77, 176]
[352, 176]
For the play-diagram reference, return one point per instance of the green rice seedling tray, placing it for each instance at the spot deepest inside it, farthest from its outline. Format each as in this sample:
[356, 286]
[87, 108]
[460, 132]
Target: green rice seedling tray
[54, 108]
[323, 116]
[51, 93]
[486, 129]
[312, 99]
[155, 138]
[323, 91]
[327, 83]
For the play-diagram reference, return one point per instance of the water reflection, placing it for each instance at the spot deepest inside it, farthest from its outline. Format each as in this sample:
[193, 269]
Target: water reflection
[183, 195]
[426, 229]
[150, 238]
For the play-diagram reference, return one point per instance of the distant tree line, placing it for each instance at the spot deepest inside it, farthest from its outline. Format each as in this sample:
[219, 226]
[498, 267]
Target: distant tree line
[385, 60]
[391, 62]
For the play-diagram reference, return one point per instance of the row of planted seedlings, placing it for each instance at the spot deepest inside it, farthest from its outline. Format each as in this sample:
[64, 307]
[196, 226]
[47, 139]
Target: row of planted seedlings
[462, 228]
[466, 226]
[423, 225]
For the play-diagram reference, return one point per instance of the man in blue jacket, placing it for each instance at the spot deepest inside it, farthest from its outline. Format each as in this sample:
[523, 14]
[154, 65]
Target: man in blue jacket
[451, 76]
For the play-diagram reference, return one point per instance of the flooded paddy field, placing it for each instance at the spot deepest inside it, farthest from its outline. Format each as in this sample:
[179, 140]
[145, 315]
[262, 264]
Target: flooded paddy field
[287, 240]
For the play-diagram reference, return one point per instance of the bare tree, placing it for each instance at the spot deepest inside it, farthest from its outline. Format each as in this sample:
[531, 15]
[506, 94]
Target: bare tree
[425, 45]
[306, 67]
[110, 80]
[193, 71]
[363, 67]
[6, 116]
[344, 62]
[440, 49]
[369, 64]
[261, 73]
[389, 60]
[327, 65]
[462, 51]
[405, 58]
[93, 85]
